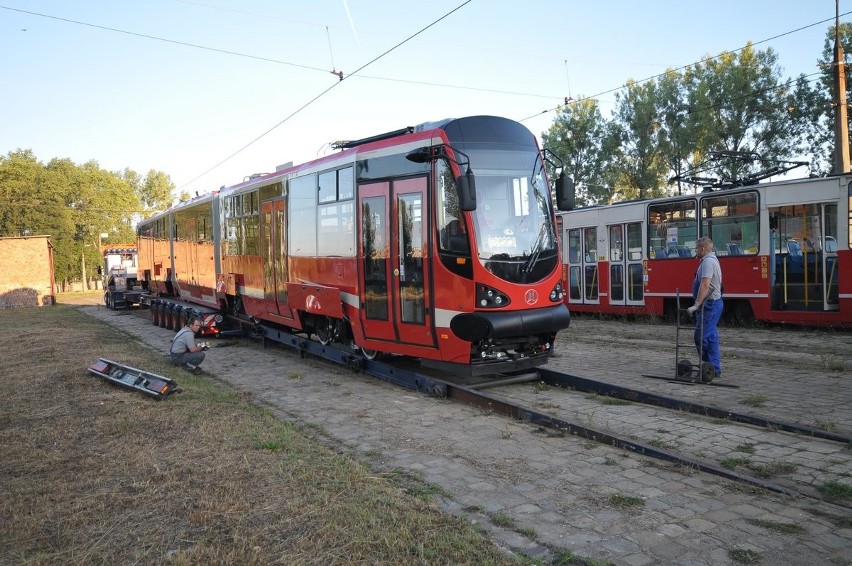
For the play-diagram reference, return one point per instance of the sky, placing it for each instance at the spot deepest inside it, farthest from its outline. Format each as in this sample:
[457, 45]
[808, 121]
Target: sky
[212, 91]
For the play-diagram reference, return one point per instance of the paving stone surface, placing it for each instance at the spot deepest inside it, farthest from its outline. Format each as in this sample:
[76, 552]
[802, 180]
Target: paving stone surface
[542, 494]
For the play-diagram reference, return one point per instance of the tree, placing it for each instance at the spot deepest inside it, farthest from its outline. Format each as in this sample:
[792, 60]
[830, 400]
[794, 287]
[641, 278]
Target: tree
[155, 191]
[740, 108]
[580, 137]
[641, 166]
[677, 137]
[812, 105]
[33, 202]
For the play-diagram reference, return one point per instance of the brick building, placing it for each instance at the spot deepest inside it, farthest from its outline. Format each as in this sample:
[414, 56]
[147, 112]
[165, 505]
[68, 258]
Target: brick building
[26, 272]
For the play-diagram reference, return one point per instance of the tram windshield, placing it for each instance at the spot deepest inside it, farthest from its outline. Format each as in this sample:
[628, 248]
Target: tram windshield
[513, 221]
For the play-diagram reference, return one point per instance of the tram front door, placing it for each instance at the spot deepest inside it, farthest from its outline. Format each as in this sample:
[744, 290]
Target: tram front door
[396, 304]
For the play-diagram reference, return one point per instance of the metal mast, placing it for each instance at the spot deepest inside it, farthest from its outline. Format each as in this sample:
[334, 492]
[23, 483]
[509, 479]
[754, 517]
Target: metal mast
[841, 124]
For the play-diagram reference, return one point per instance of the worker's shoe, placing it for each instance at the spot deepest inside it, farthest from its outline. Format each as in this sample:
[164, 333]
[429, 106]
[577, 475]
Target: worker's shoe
[192, 369]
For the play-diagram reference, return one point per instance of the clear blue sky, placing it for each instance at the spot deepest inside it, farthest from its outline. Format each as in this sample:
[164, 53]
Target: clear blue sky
[87, 80]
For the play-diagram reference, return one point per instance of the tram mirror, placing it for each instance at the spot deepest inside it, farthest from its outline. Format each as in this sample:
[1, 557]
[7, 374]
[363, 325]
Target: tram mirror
[466, 186]
[420, 155]
[565, 192]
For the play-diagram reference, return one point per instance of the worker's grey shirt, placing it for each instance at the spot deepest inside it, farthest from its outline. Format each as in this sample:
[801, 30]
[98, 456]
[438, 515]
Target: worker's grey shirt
[710, 267]
[183, 341]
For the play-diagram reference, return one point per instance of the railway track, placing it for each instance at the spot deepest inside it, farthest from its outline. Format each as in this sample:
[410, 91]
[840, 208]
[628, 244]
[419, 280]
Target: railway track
[700, 437]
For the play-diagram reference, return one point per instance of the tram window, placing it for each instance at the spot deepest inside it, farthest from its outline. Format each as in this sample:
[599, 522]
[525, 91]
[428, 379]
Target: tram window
[634, 241]
[452, 233]
[336, 230]
[672, 228]
[731, 221]
[574, 246]
[616, 243]
[303, 216]
[327, 183]
[345, 184]
[251, 236]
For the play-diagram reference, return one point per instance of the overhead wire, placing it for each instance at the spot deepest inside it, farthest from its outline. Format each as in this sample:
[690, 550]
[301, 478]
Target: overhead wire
[321, 94]
[356, 72]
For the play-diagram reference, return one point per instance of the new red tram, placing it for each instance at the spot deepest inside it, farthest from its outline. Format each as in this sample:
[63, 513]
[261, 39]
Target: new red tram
[436, 242]
[784, 248]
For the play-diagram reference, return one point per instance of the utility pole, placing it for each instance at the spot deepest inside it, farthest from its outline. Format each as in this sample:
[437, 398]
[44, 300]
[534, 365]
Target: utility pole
[841, 123]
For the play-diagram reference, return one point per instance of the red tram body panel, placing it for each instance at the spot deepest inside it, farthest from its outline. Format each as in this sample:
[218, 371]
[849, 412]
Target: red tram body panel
[436, 242]
[783, 247]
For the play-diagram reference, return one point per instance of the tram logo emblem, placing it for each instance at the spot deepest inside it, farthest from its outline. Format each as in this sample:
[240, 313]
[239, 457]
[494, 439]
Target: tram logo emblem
[531, 297]
[312, 303]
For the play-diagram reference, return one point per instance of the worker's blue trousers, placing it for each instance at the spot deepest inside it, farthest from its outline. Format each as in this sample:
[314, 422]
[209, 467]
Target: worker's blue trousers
[706, 333]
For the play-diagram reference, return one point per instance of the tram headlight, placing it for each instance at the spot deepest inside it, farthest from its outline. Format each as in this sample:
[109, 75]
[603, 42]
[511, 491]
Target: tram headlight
[488, 297]
[557, 293]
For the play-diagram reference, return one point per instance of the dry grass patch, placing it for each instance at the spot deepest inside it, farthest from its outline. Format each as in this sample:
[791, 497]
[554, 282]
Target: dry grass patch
[93, 473]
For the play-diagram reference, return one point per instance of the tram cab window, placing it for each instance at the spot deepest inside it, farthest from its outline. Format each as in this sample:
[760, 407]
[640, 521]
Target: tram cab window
[452, 232]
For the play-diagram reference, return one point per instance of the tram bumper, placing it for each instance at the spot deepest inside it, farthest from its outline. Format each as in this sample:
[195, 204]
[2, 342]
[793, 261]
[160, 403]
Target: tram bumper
[484, 325]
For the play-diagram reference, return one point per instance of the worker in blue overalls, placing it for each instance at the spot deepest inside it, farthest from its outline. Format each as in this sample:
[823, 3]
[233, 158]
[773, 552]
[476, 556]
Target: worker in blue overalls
[707, 292]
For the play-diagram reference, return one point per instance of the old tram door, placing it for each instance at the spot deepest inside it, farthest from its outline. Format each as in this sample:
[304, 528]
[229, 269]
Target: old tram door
[274, 249]
[396, 304]
[626, 282]
[583, 281]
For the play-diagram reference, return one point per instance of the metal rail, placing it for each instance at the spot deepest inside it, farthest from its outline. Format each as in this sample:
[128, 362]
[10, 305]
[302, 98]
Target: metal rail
[471, 395]
[558, 379]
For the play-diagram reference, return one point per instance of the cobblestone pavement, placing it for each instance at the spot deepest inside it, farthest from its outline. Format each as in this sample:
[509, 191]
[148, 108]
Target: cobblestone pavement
[540, 494]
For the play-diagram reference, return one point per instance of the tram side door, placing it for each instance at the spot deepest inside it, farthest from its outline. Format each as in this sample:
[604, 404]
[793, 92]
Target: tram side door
[273, 231]
[395, 298]
[583, 281]
[625, 264]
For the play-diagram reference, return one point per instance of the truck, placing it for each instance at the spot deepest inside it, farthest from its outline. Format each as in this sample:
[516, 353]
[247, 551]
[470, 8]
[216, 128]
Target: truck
[121, 287]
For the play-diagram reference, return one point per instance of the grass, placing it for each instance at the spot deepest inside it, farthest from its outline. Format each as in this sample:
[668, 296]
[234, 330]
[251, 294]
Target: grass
[620, 500]
[96, 474]
[836, 491]
[745, 556]
[779, 527]
[754, 401]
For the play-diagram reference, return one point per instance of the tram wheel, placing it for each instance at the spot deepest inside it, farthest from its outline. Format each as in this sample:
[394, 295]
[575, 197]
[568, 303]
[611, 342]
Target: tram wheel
[743, 314]
[174, 323]
[325, 330]
[370, 354]
[708, 372]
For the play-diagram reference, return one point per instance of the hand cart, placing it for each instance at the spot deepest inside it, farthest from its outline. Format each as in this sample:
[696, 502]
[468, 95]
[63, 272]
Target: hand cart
[685, 370]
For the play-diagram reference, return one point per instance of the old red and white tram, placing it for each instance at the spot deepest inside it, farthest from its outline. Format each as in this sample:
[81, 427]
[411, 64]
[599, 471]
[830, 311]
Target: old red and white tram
[784, 248]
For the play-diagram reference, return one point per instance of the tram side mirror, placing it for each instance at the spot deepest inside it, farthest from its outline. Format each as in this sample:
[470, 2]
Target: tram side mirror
[420, 155]
[465, 183]
[466, 186]
[565, 193]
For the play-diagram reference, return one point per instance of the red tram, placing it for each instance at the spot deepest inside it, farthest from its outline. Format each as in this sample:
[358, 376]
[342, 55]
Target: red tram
[392, 245]
[784, 248]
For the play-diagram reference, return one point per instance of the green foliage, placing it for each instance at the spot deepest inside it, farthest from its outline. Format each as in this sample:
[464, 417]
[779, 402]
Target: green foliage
[582, 138]
[74, 204]
[716, 119]
[811, 103]
[642, 165]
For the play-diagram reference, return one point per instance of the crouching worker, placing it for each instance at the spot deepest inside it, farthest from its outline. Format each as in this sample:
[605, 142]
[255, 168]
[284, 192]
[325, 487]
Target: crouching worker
[184, 351]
